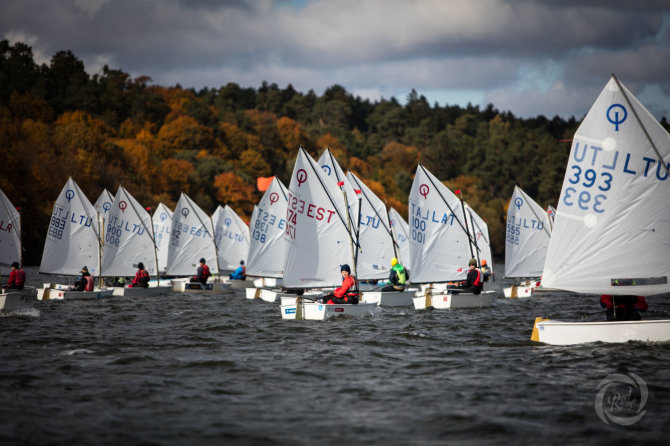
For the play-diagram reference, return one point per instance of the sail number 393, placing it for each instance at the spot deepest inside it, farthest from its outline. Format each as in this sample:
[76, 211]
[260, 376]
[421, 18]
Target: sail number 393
[587, 199]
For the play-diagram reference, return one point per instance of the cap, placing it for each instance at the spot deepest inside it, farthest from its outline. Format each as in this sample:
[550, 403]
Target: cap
[140, 265]
[241, 262]
[15, 265]
[394, 261]
[472, 262]
[483, 261]
[346, 268]
[203, 260]
[84, 269]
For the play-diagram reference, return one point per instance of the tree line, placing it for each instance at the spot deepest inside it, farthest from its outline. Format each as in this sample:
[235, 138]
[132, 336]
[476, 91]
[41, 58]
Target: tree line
[109, 129]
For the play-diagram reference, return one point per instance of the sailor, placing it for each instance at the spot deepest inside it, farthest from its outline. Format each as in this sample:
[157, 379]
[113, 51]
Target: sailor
[85, 282]
[398, 277]
[473, 281]
[202, 273]
[347, 293]
[240, 272]
[486, 271]
[623, 308]
[17, 278]
[141, 278]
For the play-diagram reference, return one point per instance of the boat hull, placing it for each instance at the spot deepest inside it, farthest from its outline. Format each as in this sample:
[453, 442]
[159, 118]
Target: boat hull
[571, 333]
[309, 310]
[238, 284]
[62, 292]
[443, 300]
[151, 291]
[267, 282]
[10, 301]
[523, 291]
[185, 286]
[389, 298]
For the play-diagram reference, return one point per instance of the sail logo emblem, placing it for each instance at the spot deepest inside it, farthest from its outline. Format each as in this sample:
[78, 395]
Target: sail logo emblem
[423, 191]
[274, 197]
[301, 176]
[327, 169]
[123, 205]
[69, 194]
[106, 206]
[613, 115]
[621, 399]
[518, 202]
[227, 221]
[163, 216]
[185, 212]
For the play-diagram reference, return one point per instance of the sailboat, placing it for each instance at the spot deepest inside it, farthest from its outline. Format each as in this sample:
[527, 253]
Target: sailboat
[73, 241]
[103, 205]
[267, 247]
[526, 241]
[612, 223]
[319, 238]
[481, 238]
[129, 240]
[441, 245]
[376, 247]
[192, 238]
[400, 231]
[231, 235]
[162, 221]
[10, 251]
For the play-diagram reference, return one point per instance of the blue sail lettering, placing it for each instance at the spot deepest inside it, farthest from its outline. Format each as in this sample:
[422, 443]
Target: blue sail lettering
[625, 167]
[578, 158]
[660, 168]
[649, 161]
[616, 156]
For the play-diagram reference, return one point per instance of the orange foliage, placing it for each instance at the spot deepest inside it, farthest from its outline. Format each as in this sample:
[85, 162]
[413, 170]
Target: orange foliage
[175, 174]
[359, 167]
[234, 191]
[235, 139]
[291, 133]
[184, 133]
[253, 164]
[335, 146]
[398, 206]
[398, 156]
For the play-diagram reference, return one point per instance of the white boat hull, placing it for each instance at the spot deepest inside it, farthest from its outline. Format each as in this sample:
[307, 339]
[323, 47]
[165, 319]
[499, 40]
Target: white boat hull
[443, 300]
[309, 310]
[267, 282]
[389, 298]
[185, 285]
[10, 301]
[571, 333]
[151, 291]
[238, 284]
[62, 292]
[522, 291]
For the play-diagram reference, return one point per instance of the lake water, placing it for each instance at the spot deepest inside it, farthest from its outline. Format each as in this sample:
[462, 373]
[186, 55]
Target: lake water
[194, 369]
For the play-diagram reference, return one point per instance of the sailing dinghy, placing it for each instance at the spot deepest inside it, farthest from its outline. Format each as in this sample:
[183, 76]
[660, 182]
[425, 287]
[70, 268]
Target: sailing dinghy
[73, 241]
[376, 248]
[129, 240]
[526, 242]
[231, 235]
[440, 245]
[10, 249]
[162, 221]
[192, 238]
[612, 223]
[319, 238]
[267, 247]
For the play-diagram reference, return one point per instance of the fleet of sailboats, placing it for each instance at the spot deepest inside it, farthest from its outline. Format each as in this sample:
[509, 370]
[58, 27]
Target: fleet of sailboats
[607, 236]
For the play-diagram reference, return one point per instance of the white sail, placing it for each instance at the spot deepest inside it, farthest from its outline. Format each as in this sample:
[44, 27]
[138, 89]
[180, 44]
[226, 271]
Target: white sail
[267, 247]
[317, 236]
[527, 236]
[232, 238]
[10, 232]
[480, 231]
[439, 246]
[333, 170]
[401, 235]
[612, 228]
[128, 237]
[374, 234]
[162, 220]
[191, 238]
[72, 238]
[103, 204]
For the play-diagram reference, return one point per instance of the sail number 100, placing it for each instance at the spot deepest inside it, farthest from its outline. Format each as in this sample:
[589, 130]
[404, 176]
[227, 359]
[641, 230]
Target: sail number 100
[586, 199]
[418, 230]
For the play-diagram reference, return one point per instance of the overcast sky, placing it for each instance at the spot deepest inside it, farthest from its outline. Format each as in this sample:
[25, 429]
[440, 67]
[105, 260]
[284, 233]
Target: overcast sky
[547, 57]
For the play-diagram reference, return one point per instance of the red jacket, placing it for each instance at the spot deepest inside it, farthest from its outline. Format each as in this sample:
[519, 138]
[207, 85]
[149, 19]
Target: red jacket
[640, 303]
[141, 278]
[347, 283]
[16, 279]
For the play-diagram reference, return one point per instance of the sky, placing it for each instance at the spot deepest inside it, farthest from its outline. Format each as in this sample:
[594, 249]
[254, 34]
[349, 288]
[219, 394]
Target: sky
[550, 57]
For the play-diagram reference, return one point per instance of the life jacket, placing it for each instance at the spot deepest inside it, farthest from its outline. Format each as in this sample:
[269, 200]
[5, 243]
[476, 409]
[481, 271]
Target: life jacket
[400, 273]
[205, 272]
[486, 272]
[89, 283]
[17, 278]
[478, 280]
[143, 277]
[244, 270]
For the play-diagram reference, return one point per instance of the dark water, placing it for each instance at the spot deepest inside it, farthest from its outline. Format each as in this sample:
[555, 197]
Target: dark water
[188, 369]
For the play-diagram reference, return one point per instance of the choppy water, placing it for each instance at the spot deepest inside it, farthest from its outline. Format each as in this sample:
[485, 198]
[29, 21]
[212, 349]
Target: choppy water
[188, 369]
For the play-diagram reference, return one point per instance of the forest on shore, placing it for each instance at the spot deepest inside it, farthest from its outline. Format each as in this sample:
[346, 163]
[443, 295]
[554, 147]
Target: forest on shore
[108, 129]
